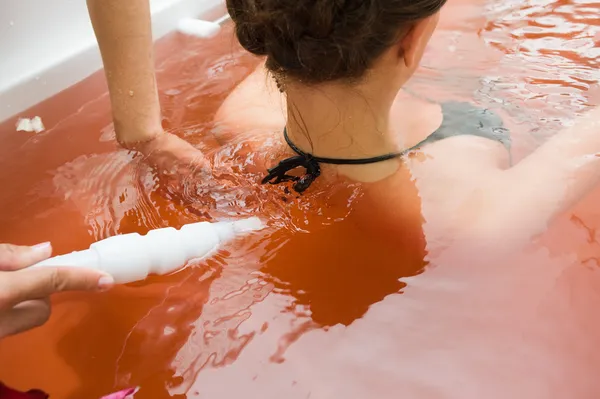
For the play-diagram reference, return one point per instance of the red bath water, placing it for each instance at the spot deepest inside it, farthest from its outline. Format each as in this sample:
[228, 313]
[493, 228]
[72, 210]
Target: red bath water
[316, 307]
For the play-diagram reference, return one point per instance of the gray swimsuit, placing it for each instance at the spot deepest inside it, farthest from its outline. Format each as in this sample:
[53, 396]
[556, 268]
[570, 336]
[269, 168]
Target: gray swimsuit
[460, 118]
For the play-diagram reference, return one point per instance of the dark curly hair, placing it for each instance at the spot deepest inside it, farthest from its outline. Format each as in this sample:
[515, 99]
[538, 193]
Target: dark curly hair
[317, 41]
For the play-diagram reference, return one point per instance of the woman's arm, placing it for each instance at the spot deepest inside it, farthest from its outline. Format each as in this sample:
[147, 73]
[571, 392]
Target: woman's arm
[520, 201]
[124, 32]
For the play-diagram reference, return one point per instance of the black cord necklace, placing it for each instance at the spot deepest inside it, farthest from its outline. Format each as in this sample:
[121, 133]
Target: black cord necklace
[311, 163]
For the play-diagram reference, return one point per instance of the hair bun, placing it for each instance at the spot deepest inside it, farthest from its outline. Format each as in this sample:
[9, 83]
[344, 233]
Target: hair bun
[316, 41]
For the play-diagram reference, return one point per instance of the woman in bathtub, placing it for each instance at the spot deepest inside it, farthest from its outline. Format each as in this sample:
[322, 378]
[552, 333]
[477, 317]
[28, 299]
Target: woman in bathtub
[327, 108]
[330, 97]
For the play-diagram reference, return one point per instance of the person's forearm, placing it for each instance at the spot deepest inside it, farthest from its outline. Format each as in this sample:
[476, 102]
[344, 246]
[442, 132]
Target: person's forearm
[521, 201]
[124, 32]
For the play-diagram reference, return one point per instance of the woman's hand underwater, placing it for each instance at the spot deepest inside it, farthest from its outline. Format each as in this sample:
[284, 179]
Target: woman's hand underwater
[171, 155]
[25, 292]
[184, 174]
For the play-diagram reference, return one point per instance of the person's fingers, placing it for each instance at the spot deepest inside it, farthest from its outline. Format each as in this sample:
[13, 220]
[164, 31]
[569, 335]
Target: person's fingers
[15, 257]
[24, 316]
[35, 283]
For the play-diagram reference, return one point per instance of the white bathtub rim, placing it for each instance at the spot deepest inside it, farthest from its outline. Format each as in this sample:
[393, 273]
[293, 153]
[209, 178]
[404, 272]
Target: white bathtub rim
[51, 76]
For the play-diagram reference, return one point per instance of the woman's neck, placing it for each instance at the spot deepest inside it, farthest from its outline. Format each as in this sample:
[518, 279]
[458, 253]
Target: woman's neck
[336, 121]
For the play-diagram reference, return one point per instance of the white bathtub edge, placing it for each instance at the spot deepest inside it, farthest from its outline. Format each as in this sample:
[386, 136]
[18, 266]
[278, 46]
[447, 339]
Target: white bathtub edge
[56, 75]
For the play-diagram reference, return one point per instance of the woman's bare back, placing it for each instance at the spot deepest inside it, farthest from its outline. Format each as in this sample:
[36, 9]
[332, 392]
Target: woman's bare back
[431, 182]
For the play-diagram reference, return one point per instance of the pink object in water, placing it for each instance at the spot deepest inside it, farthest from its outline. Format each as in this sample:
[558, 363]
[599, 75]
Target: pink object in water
[124, 394]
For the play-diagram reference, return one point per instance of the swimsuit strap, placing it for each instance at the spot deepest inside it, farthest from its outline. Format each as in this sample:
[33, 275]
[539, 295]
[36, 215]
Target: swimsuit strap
[311, 163]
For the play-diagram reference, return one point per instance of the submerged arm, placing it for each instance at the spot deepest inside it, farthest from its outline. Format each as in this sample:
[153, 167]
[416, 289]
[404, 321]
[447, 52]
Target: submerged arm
[521, 201]
[124, 32]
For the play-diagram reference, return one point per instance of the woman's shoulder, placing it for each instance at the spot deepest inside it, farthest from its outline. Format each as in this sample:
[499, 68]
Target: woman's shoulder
[254, 105]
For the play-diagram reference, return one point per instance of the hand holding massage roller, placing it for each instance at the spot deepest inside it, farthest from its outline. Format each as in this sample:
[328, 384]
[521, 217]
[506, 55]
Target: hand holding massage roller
[132, 257]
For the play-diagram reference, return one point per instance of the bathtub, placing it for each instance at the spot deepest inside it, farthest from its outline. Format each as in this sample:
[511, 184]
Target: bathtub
[47, 47]
[295, 314]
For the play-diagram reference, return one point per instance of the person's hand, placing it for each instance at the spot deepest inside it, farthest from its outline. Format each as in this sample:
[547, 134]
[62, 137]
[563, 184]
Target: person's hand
[171, 155]
[184, 174]
[25, 292]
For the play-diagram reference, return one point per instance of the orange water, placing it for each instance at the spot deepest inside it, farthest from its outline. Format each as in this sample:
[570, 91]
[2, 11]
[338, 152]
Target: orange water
[313, 307]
